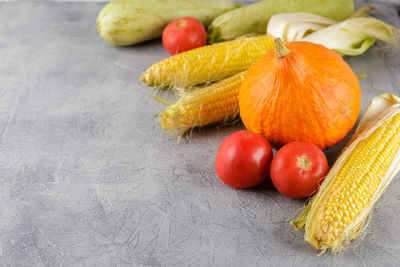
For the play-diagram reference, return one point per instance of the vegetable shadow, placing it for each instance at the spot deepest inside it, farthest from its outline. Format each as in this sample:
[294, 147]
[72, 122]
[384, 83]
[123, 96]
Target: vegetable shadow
[333, 153]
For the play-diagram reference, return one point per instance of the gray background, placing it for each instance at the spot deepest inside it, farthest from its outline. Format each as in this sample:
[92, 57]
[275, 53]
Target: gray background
[88, 178]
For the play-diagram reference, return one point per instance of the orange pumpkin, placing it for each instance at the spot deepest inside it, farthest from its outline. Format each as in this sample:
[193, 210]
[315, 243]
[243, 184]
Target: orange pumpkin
[300, 92]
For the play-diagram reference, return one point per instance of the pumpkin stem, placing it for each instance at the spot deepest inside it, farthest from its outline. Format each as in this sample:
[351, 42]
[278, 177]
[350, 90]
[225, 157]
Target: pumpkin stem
[280, 48]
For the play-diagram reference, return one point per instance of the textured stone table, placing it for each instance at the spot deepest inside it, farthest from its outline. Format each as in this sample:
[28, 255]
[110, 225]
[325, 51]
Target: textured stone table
[88, 178]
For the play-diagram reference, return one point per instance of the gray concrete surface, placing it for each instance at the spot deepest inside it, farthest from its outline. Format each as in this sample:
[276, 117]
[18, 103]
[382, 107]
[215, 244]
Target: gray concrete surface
[88, 178]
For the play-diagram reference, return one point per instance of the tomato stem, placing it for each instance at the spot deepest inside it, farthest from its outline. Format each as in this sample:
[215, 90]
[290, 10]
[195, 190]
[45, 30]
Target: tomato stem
[180, 24]
[304, 162]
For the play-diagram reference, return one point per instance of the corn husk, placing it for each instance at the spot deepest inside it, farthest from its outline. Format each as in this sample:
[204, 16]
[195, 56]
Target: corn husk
[353, 36]
[296, 26]
[350, 37]
[379, 111]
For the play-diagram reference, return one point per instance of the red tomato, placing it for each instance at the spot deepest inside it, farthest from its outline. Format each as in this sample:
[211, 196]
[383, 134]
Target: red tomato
[298, 169]
[243, 160]
[184, 34]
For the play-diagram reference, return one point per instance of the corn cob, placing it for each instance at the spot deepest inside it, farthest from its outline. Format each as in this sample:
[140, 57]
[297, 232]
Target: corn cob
[338, 212]
[209, 63]
[214, 103]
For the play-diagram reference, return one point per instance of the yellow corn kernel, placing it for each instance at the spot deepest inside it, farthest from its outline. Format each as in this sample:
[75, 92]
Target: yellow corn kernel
[208, 63]
[214, 103]
[332, 219]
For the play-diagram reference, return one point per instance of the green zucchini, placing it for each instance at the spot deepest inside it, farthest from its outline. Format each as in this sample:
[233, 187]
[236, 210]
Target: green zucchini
[128, 22]
[254, 18]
